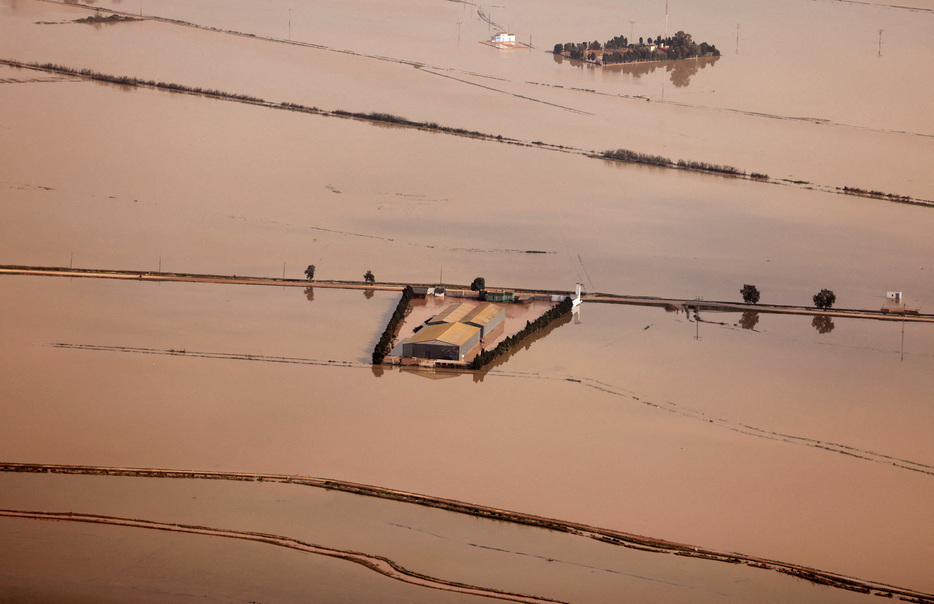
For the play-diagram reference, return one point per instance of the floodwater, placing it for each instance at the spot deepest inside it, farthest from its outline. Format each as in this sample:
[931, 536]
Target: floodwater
[780, 437]
[433, 542]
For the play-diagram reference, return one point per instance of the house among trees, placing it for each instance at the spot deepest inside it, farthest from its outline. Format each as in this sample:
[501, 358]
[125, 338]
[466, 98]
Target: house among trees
[622, 50]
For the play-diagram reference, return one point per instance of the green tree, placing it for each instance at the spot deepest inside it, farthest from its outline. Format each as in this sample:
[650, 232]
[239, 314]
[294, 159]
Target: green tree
[750, 294]
[368, 277]
[824, 299]
[310, 272]
[559, 48]
[478, 284]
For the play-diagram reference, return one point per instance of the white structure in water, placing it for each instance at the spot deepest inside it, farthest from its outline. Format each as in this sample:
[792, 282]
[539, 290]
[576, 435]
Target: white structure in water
[503, 37]
[575, 301]
[894, 296]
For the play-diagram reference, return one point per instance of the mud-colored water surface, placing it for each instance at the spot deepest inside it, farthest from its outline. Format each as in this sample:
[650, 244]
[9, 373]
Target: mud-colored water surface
[796, 439]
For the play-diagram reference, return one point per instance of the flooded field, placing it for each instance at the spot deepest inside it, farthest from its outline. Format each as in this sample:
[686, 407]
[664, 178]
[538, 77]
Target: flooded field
[794, 439]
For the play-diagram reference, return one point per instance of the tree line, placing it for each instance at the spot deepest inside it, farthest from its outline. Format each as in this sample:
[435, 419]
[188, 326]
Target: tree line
[484, 357]
[383, 347]
[634, 157]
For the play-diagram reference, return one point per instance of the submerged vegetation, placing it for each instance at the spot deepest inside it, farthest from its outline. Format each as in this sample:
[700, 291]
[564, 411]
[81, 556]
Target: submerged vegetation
[136, 82]
[98, 18]
[879, 194]
[622, 50]
[620, 155]
[634, 157]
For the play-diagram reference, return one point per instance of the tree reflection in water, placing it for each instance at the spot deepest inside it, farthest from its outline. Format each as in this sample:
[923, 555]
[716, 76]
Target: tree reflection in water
[681, 71]
[749, 319]
[310, 294]
[822, 323]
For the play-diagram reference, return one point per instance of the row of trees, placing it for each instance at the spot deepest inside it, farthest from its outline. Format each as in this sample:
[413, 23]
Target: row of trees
[824, 299]
[384, 346]
[485, 357]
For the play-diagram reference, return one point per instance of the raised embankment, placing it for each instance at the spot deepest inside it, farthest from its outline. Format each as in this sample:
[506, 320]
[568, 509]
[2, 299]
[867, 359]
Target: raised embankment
[669, 303]
[613, 537]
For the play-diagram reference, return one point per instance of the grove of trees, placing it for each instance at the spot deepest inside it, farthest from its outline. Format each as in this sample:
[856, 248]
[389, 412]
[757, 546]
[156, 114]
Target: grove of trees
[619, 50]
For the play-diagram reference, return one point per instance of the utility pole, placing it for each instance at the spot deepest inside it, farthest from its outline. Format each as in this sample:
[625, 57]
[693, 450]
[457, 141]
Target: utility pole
[290, 24]
[632, 28]
[880, 42]
[737, 38]
[666, 21]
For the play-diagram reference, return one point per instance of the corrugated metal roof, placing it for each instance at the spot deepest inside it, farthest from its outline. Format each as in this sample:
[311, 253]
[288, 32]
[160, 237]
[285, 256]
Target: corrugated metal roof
[483, 313]
[446, 333]
[453, 313]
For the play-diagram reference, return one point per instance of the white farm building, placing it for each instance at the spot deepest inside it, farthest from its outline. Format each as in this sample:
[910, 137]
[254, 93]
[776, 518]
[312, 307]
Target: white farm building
[503, 37]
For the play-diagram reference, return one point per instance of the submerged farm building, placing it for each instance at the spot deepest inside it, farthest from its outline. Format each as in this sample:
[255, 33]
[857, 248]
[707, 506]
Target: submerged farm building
[448, 341]
[486, 316]
[452, 313]
[454, 332]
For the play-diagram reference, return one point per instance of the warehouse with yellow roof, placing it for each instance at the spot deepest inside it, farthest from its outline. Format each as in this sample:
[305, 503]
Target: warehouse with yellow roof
[454, 332]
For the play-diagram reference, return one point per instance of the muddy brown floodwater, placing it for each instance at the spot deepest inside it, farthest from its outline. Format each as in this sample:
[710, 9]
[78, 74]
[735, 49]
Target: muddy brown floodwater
[783, 437]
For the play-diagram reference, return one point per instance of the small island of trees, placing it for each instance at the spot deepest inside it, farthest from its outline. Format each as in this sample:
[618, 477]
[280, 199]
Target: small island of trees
[620, 50]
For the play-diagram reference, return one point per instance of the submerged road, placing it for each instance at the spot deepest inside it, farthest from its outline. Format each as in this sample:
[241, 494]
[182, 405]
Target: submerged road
[668, 303]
